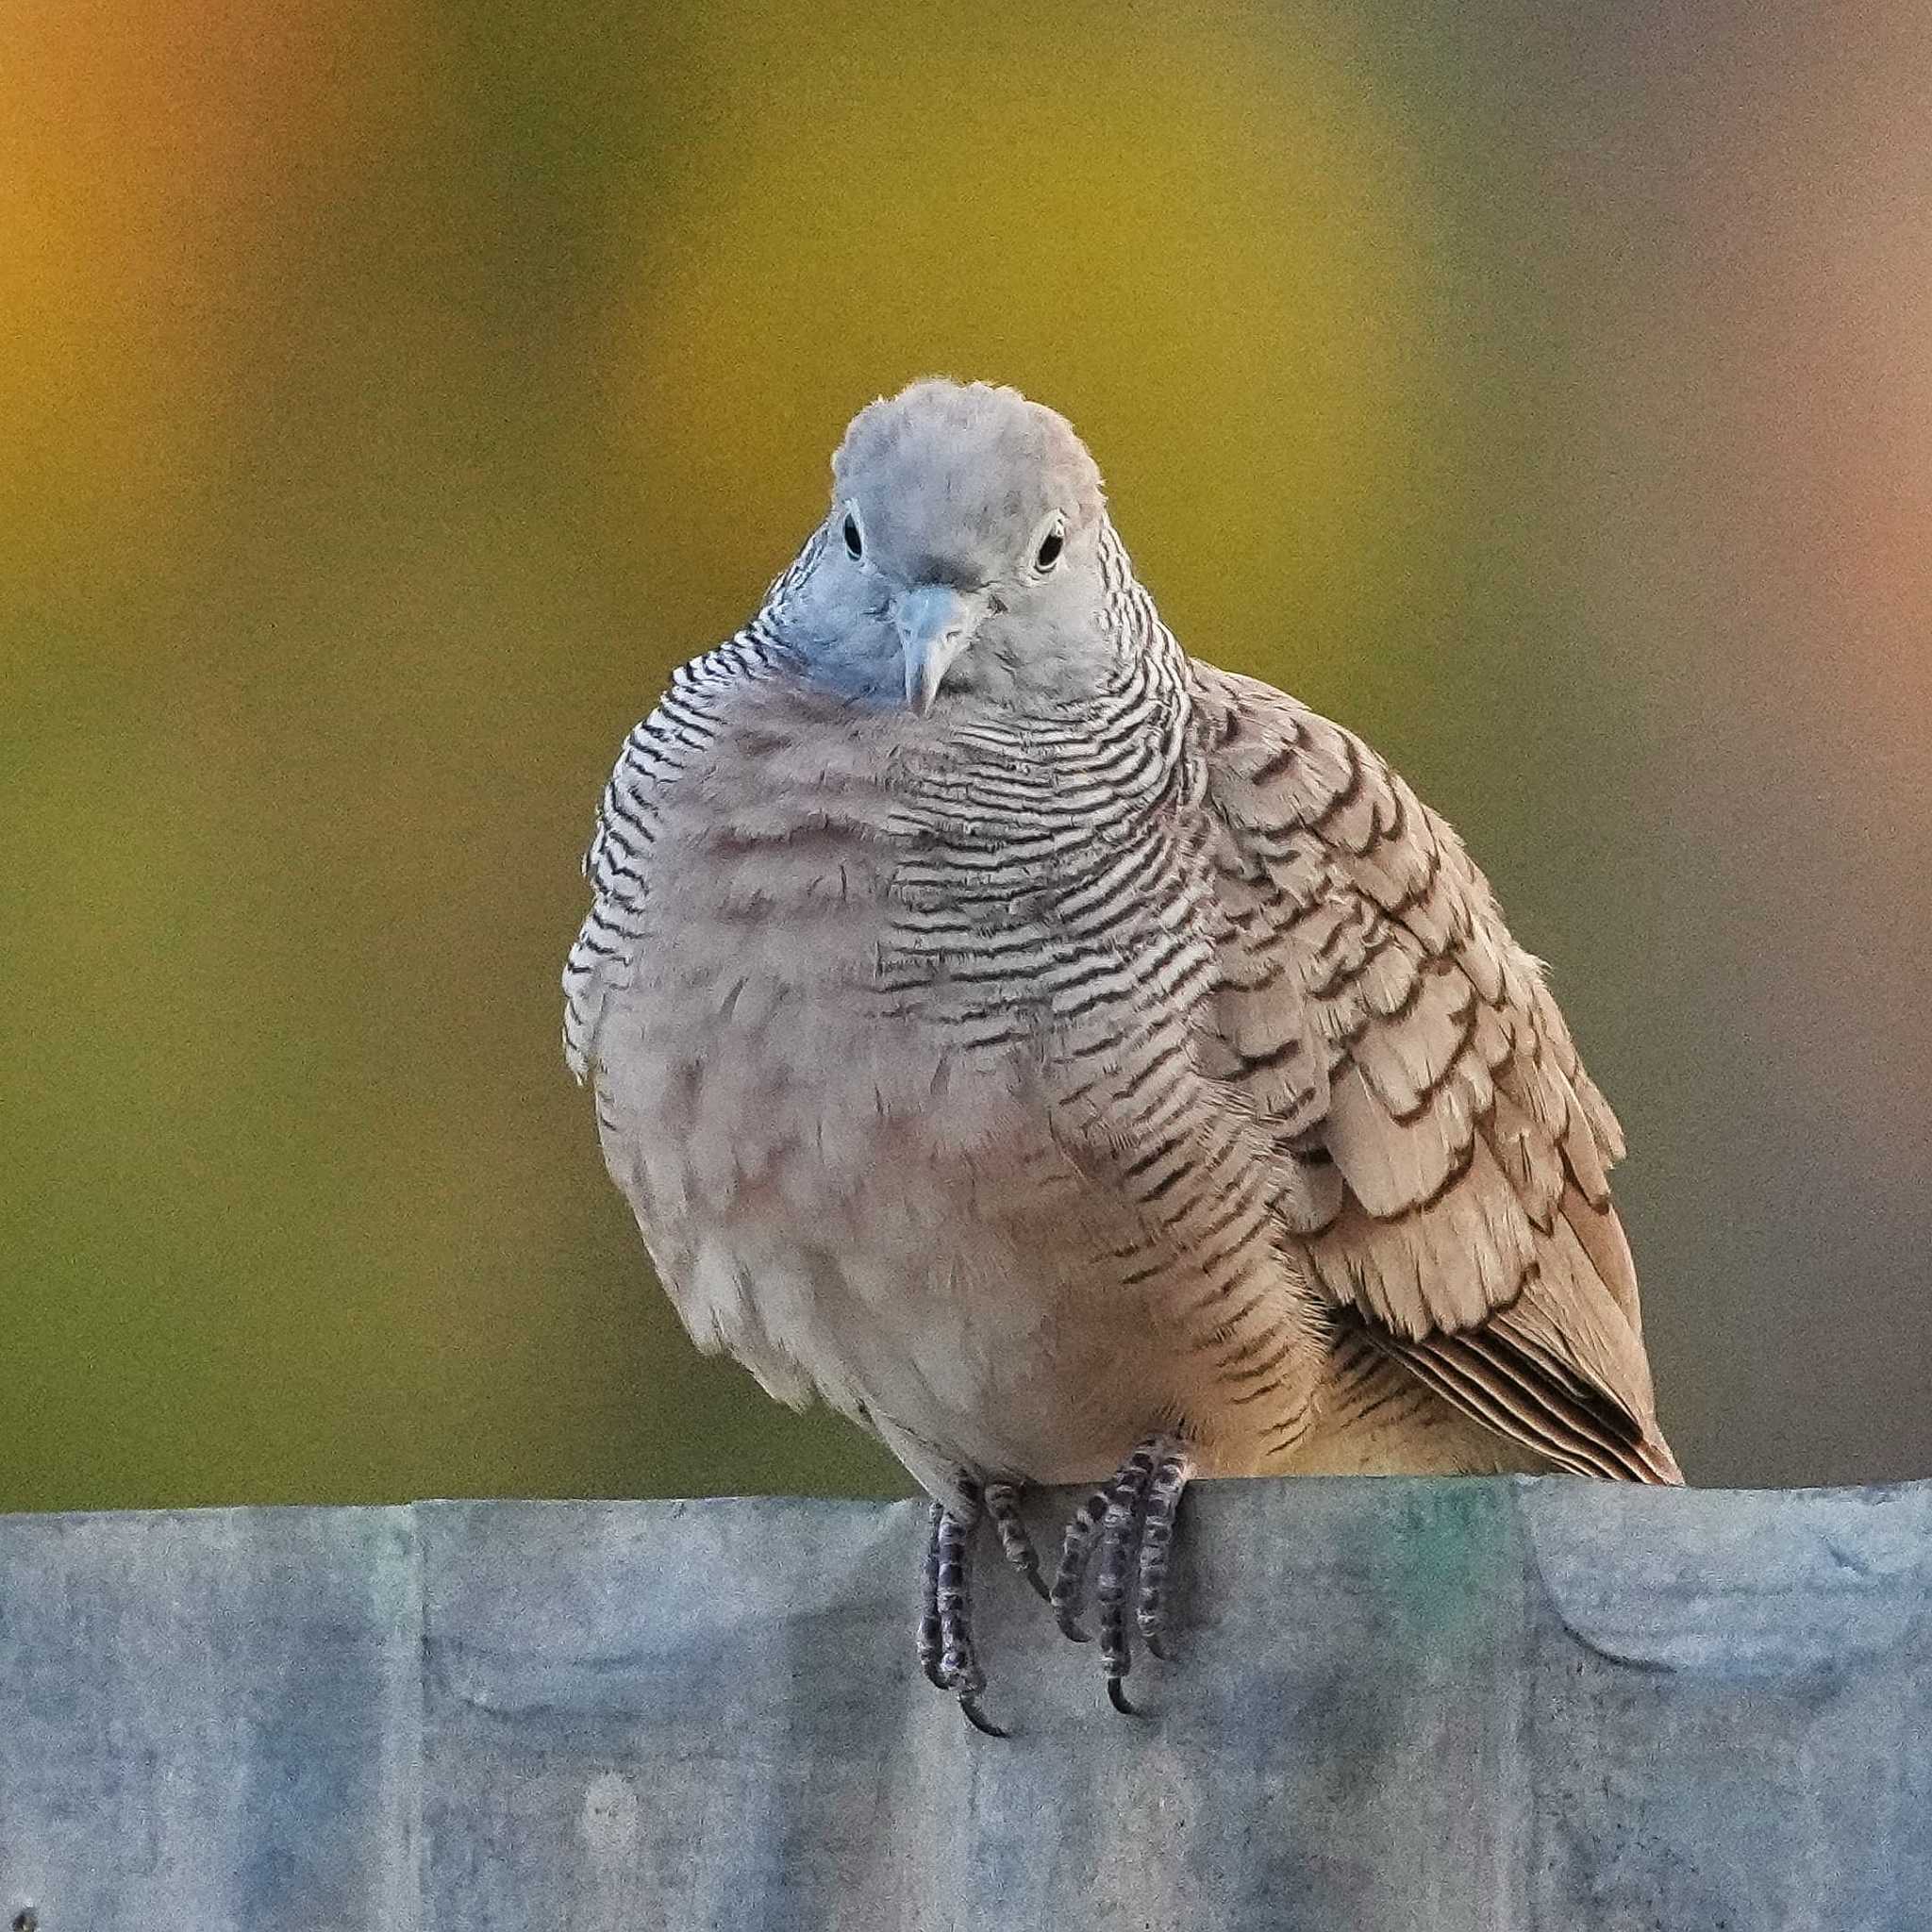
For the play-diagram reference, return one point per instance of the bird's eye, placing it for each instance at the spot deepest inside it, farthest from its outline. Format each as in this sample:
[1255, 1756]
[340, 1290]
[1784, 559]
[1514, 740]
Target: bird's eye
[1050, 547]
[855, 544]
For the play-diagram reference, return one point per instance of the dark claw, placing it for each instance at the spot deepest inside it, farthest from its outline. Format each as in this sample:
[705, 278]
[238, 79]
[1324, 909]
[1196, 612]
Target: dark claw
[969, 1706]
[1071, 1625]
[1117, 1696]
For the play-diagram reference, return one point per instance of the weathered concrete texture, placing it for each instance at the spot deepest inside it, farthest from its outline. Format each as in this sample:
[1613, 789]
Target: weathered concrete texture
[210, 1719]
[1418, 1705]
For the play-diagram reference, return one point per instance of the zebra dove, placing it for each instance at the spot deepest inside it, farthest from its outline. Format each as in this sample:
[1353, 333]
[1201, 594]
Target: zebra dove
[1077, 1063]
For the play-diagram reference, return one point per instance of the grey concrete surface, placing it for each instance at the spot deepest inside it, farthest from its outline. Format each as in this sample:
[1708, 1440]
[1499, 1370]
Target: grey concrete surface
[1511, 1704]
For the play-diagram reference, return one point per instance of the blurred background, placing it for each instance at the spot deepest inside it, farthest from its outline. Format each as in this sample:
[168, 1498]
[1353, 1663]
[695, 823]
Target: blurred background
[390, 393]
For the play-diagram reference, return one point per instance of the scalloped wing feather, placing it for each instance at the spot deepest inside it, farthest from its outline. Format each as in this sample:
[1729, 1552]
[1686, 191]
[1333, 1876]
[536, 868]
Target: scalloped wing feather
[1375, 1010]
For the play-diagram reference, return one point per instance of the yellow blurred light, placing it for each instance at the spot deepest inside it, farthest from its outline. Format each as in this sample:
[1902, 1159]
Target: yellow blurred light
[1202, 246]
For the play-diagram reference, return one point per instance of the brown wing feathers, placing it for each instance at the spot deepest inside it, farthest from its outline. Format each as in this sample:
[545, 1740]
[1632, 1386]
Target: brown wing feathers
[1374, 1008]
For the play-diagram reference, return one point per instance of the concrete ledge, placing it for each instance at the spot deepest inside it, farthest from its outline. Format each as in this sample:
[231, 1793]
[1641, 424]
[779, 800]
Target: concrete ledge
[1511, 1704]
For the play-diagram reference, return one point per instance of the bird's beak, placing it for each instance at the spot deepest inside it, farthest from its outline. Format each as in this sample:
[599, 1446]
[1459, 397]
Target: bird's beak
[935, 624]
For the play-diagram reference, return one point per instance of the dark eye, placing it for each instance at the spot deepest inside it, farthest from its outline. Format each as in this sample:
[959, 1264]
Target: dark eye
[855, 544]
[1050, 547]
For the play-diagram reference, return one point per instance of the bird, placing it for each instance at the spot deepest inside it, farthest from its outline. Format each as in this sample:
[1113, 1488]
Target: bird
[1077, 1063]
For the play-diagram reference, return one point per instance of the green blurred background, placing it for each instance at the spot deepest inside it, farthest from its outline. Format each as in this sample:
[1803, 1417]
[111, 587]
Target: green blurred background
[390, 393]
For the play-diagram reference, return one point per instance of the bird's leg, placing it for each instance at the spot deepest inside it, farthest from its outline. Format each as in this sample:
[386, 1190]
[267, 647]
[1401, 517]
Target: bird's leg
[946, 1652]
[1003, 1506]
[1131, 1519]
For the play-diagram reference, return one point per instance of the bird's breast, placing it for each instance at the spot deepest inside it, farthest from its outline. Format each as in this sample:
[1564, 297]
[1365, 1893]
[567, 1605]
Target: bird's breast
[845, 1094]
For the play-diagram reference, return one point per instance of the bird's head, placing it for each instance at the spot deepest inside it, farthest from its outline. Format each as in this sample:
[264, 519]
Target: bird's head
[960, 553]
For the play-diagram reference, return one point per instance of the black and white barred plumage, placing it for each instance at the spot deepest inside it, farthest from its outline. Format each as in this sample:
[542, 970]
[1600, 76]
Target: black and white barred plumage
[1038, 1043]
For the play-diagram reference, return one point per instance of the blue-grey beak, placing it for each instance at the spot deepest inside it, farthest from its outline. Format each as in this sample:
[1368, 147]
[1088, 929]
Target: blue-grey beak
[935, 624]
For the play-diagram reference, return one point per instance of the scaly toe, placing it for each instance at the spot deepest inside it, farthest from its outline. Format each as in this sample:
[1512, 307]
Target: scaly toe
[1171, 1470]
[1077, 1553]
[1120, 1537]
[1003, 1506]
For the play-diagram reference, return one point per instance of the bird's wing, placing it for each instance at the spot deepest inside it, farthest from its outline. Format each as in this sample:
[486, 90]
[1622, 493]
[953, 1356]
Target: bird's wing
[1443, 1153]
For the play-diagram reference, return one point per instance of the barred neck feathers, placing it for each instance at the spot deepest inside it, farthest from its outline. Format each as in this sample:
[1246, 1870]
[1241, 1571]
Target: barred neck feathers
[682, 727]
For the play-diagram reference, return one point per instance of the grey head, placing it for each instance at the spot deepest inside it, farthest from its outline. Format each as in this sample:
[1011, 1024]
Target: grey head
[960, 557]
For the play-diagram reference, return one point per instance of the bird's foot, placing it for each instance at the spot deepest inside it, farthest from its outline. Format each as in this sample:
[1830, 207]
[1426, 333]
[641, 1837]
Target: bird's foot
[946, 1651]
[1130, 1517]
